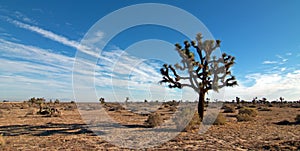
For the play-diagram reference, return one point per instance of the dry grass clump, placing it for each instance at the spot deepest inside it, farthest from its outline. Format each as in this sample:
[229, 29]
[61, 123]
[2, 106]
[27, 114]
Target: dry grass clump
[297, 119]
[246, 114]
[154, 120]
[194, 124]
[264, 109]
[244, 117]
[250, 111]
[114, 106]
[214, 118]
[2, 141]
[49, 111]
[229, 109]
[187, 120]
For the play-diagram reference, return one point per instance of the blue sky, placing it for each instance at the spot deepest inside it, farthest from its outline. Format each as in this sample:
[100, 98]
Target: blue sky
[39, 42]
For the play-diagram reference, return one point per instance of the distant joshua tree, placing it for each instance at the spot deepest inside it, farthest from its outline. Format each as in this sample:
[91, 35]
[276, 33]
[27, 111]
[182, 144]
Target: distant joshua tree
[126, 99]
[208, 73]
[281, 99]
[237, 100]
[102, 100]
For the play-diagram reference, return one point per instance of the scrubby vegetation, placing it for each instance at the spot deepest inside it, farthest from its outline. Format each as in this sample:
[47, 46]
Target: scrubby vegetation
[187, 120]
[246, 114]
[113, 106]
[264, 109]
[244, 117]
[250, 111]
[49, 111]
[229, 109]
[214, 118]
[297, 119]
[154, 120]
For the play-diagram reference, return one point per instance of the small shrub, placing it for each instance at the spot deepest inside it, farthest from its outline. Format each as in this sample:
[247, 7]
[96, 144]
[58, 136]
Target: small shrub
[70, 107]
[264, 109]
[172, 108]
[229, 109]
[220, 120]
[194, 124]
[250, 111]
[56, 101]
[170, 103]
[154, 120]
[48, 111]
[239, 107]
[72, 102]
[2, 141]
[102, 100]
[214, 118]
[187, 120]
[244, 117]
[297, 119]
[114, 107]
[252, 106]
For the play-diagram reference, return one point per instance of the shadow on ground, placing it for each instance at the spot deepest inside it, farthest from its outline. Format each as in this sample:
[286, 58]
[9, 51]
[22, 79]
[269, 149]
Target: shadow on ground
[46, 130]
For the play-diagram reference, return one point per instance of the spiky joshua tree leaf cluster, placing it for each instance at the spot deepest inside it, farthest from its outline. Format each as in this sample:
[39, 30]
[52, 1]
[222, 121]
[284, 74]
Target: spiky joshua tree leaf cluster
[205, 71]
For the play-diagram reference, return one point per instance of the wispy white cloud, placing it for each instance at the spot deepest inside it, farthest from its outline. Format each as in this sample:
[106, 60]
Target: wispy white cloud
[283, 60]
[269, 62]
[55, 37]
[37, 69]
[23, 17]
[288, 53]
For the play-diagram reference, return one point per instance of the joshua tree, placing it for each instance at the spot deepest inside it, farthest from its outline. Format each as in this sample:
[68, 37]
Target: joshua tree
[237, 100]
[281, 99]
[102, 100]
[126, 100]
[208, 73]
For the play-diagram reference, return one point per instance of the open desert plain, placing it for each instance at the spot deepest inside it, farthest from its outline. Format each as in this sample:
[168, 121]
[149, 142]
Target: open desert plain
[275, 127]
[149, 75]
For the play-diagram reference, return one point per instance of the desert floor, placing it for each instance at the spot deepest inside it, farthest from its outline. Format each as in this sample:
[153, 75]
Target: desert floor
[23, 129]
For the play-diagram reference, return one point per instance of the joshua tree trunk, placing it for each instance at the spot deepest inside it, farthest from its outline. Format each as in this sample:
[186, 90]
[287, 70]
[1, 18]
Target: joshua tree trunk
[201, 105]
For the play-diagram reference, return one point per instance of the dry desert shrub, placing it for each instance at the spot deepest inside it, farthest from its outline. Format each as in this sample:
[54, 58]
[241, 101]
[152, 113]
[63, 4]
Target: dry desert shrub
[229, 109]
[264, 109]
[154, 120]
[250, 111]
[246, 114]
[297, 119]
[187, 120]
[244, 117]
[214, 118]
[114, 106]
[194, 124]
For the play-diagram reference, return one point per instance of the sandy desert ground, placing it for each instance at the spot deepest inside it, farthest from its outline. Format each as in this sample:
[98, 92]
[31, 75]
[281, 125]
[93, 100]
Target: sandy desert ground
[23, 129]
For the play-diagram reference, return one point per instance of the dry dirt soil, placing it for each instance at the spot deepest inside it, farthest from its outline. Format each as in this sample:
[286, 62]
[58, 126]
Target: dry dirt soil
[23, 129]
